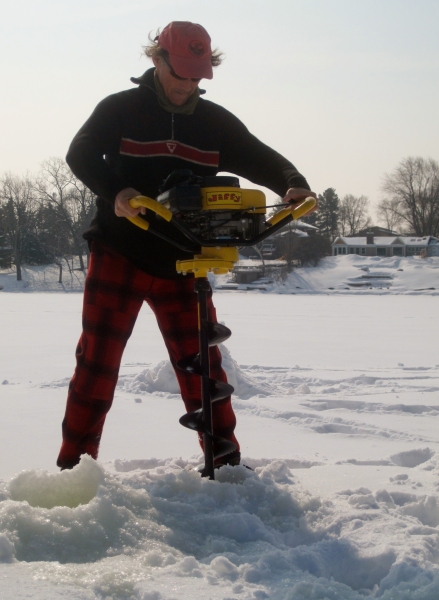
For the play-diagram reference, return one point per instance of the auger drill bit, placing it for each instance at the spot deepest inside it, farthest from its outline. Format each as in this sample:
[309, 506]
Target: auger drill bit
[210, 334]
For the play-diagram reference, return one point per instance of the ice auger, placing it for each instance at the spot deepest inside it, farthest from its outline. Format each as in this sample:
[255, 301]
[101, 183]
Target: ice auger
[216, 217]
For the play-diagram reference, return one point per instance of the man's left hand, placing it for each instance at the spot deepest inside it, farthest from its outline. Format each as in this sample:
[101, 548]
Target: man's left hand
[296, 195]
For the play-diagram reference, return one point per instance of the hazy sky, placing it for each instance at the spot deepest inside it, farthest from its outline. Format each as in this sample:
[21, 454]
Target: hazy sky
[343, 88]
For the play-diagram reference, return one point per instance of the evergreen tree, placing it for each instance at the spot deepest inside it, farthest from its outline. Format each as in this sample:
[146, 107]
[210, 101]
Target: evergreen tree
[327, 216]
[5, 249]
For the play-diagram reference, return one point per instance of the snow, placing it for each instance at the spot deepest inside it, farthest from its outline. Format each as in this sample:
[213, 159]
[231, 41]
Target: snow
[336, 399]
[338, 274]
[382, 240]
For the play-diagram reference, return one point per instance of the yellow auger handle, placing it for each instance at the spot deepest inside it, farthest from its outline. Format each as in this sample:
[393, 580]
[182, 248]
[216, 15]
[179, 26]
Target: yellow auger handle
[151, 204]
[295, 211]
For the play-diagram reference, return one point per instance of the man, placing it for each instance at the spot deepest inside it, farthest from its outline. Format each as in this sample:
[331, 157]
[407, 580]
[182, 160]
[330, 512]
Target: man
[133, 140]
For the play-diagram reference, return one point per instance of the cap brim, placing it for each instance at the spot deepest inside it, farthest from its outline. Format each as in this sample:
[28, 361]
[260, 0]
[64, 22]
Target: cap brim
[192, 68]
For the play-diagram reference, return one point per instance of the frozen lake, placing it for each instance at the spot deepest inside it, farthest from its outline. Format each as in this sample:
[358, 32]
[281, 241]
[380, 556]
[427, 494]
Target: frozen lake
[337, 404]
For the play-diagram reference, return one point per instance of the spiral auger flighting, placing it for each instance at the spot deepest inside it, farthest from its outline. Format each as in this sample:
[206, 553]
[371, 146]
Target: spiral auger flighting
[215, 216]
[210, 334]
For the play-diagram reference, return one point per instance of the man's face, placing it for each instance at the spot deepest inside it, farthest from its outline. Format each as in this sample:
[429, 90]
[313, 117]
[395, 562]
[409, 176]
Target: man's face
[177, 89]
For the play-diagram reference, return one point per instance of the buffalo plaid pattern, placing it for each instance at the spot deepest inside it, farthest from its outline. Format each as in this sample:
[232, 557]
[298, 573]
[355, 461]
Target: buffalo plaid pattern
[114, 292]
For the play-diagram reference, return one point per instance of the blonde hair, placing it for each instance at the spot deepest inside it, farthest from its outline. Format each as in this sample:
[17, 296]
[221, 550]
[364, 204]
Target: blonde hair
[154, 50]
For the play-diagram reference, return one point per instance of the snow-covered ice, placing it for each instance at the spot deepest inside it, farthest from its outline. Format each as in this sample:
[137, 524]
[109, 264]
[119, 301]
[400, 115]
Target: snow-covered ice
[336, 399]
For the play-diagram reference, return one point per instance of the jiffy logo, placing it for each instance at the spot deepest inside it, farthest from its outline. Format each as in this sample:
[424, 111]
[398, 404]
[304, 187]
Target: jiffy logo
[171, 147]
[224, 198]
[196, 48]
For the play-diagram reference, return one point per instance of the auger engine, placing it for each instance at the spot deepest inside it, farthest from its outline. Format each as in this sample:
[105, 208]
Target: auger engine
[214, 208]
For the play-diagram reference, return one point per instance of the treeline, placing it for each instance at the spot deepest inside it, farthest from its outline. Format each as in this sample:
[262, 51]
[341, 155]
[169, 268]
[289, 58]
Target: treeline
[346, 216]
[43, 216]
[410, 205]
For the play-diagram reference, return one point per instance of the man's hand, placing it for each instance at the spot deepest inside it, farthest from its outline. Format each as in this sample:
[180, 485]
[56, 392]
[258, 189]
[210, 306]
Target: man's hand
[296, 195]
[122, 206]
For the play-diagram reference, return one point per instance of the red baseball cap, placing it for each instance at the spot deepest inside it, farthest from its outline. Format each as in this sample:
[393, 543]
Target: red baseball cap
[188, 46]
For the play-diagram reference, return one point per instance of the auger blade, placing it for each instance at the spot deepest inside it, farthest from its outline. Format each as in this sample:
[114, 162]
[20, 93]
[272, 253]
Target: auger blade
[209, 334]
[221, 446]
[191, 364]
[219, 390]
[193, 420]
[217, 333]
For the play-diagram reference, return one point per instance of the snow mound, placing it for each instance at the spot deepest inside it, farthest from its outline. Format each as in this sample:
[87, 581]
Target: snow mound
[356, 274]
[68, 488]
[160, 529]
[245, 385]
[426, 510]
[161, 378]
[7, 549]
[412, 458]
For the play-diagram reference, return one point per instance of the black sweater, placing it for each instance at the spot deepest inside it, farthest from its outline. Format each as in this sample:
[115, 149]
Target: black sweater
[131, 141]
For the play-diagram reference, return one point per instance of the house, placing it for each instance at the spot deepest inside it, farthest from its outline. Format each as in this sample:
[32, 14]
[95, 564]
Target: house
[396, 245]
[377, 231]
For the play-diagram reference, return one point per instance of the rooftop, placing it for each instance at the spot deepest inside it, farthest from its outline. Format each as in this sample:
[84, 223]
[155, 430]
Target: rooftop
[388, 241]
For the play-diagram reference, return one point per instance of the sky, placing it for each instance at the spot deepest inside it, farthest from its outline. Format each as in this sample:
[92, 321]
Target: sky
[343, 89]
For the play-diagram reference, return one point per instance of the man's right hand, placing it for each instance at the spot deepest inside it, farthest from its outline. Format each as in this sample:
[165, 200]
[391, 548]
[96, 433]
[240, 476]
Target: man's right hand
[122, 206]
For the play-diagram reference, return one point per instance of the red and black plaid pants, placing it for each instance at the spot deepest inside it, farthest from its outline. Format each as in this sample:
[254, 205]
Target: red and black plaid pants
[114, 292]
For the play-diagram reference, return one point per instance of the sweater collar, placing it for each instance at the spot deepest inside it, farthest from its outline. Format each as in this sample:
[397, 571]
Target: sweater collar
[149, 79]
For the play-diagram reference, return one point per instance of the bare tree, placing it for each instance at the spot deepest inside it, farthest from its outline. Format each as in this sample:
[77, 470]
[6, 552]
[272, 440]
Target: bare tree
[71, 203]
[353, 215]
[84, 202]
[387, 212]
[18, 207]
[413, 195]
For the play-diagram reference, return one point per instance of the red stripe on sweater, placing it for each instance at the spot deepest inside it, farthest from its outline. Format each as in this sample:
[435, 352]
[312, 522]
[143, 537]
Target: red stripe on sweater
[169, 148]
